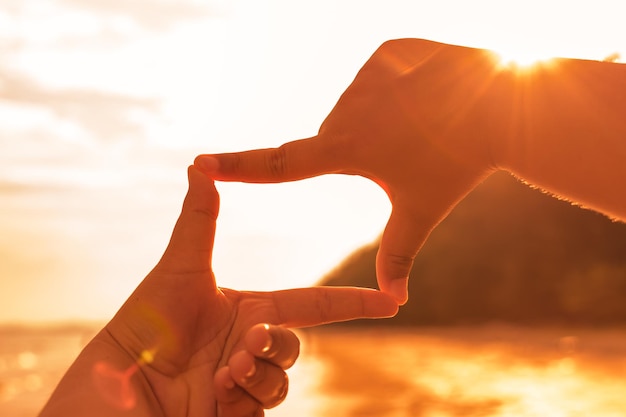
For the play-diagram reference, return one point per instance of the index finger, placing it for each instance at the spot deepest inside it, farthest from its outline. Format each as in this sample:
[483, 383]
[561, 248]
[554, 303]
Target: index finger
[304, 307]
[292, 161]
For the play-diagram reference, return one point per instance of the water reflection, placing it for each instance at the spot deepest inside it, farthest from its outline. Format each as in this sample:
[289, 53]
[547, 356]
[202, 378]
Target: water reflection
[32, 360]
[494, 371]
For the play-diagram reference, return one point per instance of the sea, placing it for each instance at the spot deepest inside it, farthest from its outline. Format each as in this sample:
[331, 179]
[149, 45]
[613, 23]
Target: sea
[493, 370]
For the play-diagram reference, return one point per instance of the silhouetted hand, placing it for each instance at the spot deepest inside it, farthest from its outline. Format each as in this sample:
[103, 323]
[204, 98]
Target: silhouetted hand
[181, 345]
[417, 120]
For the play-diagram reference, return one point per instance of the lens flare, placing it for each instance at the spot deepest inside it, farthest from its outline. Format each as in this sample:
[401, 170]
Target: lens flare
[115, 385]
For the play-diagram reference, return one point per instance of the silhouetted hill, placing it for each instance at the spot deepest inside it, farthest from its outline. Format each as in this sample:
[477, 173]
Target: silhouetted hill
[510, 253]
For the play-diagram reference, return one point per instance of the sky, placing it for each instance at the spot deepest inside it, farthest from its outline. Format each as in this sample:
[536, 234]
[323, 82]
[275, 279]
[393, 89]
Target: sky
[104, 104]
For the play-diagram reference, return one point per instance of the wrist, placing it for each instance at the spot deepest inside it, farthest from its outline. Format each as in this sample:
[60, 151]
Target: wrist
[486, 93]
[103, 381]
[501, 114]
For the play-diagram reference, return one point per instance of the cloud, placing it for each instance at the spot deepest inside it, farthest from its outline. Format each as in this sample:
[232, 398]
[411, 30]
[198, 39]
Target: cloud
[78, 23]
[105, 115]
[10, 188]
[154, 15]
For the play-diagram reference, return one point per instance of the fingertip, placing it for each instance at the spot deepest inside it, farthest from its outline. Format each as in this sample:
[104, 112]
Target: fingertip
[191, 244]
[389, 304]
[196, 175]
[401, 241]
[398, 289]
[233, 400]
[380, 304]
[242, 367]
[223, 380]
[275, 344]
[208, 164]
[258, 339]
[202, 193]
[393, 276]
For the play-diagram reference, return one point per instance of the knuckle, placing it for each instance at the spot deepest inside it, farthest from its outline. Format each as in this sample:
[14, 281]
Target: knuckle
[401, 260]
[286, 352]
[206, 212]
[324, 305]
[231, 163]
[277, 162]
[399, 266]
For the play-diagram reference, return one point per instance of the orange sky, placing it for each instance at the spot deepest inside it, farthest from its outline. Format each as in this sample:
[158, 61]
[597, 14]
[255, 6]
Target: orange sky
[104, 103]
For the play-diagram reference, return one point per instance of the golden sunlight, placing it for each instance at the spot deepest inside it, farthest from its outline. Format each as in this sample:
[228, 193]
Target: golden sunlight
[523, 57]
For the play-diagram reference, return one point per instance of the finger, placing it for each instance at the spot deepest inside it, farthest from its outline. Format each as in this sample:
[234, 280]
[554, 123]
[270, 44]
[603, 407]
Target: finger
[191, 244]
[232, 400]
[320, 305]
[275, 344]
[292, 161]
[267, 383]
[403, 237]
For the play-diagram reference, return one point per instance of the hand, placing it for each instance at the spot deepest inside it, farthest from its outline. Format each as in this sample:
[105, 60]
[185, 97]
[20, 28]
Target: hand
[188, 335]
[418, 120]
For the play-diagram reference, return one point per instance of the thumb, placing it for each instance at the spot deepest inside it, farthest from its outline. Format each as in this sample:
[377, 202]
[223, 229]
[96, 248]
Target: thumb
[403, 237]
[191, 245]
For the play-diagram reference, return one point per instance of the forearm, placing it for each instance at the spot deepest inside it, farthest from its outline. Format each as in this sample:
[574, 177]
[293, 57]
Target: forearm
[567, 132]
[101, 382]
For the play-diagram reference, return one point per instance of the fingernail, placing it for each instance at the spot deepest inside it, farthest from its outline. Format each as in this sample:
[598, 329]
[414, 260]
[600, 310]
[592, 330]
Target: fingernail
[268, 345]
[398, 290]
[252, 371]
[268, 340]
[207, 164]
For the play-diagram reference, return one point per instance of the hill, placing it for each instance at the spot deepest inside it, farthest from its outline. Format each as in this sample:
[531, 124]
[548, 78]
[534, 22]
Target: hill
[510, 253]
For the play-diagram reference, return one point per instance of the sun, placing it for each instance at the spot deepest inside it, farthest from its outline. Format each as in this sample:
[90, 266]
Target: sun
[523, 56]
[520, 60]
